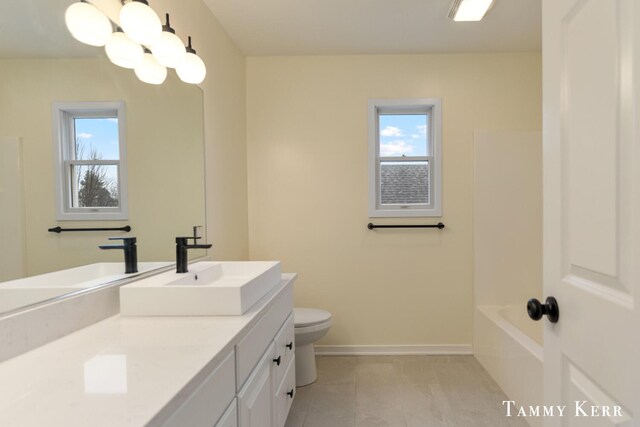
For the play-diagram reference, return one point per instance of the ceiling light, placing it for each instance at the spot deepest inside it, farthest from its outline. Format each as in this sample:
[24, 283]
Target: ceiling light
[140, 22]
[469, 10]
[192, 70]
[168, 48]
[150, 70]
[87, 24]
[123, 51]
[141, 42]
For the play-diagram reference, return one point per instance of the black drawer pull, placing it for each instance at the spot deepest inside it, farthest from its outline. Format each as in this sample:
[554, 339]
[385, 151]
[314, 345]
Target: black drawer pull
[290, 345]
[277, 360]
[290, 393]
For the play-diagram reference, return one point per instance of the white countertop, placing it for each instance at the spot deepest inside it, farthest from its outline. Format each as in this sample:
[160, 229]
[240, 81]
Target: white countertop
[119, 372]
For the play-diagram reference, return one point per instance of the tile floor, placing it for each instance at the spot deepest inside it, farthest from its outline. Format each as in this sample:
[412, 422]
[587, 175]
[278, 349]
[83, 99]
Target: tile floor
[412, 391]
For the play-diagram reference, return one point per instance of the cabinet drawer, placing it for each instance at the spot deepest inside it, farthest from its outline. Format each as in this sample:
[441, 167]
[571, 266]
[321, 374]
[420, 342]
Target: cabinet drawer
[285, 346]
[230, 416]
[205, 405]
[285, 394]
[252, 346]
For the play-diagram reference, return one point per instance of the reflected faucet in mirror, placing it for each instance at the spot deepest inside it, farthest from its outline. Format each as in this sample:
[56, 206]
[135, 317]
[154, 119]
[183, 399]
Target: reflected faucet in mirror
[130, 252]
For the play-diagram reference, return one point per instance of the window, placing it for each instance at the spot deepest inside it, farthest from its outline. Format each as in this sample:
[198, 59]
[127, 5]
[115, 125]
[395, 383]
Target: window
[90, 162]
[405, 157]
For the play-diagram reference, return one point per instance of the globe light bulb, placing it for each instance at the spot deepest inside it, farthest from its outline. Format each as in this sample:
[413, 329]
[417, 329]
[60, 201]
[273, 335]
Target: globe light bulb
[192, 69]
[140, 22]
[150, 70]
[123, 51]
[87, 24]
[168, 49]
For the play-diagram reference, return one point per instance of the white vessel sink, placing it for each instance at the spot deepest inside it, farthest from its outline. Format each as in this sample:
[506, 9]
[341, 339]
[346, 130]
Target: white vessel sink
[208, 289]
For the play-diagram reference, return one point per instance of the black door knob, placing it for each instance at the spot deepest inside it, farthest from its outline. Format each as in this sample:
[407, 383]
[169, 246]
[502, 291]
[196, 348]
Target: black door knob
[277, 360]
[290, 393]
[550, 308]
[290, 345]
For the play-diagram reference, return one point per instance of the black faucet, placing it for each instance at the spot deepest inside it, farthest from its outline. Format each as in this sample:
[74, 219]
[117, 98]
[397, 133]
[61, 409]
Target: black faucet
[130, 252]
[181, 251]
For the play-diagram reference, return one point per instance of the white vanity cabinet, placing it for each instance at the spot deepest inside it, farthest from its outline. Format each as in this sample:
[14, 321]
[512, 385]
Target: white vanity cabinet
[209, 401]
[254, 386]
[230, 416]
[170, 371]
[255, 400]
[267, 387]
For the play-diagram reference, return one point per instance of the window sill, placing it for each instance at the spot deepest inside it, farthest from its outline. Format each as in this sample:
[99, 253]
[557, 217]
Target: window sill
[93, 216]
[405, 213]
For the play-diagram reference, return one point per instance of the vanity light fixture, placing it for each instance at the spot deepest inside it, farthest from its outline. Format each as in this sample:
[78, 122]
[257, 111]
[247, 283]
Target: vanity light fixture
[150, 70]
[87, 24]
[168, 49]
[123, 51]
[469, 10]
[192, 70]
[140, 22]
[140, 41]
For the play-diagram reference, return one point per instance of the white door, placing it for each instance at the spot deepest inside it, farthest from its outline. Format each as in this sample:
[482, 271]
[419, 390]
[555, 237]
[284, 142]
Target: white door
[591, 143]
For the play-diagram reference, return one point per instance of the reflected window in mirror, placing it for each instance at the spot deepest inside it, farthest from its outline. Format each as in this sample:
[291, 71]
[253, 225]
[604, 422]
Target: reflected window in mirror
[91, 161]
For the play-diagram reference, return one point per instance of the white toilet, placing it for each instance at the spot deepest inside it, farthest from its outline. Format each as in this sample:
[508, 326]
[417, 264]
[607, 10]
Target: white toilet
[310, 325]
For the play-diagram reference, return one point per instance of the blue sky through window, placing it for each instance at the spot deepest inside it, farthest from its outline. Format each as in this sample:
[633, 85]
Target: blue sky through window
[403, 135]
[99, 134]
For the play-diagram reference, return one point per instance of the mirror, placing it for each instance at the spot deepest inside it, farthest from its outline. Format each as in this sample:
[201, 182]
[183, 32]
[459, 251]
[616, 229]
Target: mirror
[41, 64]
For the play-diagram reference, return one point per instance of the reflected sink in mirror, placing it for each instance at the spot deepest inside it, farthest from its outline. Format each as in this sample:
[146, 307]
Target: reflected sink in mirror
[23, 292]
[209, 288]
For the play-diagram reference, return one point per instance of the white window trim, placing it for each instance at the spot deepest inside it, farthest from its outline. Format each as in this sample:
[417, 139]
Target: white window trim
[60, 115]
[434, 209]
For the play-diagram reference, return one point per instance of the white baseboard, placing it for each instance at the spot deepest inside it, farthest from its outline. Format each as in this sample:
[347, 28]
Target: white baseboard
[390, 350]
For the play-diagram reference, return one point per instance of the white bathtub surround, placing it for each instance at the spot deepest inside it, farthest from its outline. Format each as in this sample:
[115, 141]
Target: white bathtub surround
[512, 357]
[155, 365]
[507, 233]
[507, 217]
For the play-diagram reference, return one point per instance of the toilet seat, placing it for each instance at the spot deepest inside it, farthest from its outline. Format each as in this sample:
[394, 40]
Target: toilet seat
[305, 317]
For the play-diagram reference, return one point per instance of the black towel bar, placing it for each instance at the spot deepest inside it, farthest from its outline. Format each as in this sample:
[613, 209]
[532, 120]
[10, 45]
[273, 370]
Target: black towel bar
[439, 226]
[126, 228]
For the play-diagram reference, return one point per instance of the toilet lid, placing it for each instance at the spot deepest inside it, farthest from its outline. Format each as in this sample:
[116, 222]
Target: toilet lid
[309, 316]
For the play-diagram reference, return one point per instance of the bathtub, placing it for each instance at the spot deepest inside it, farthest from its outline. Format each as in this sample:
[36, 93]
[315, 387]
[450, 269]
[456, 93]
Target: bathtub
[509, 346]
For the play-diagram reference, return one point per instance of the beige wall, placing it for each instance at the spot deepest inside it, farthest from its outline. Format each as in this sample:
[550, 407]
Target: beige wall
[307, 159]
[224, 125]
[164, 136]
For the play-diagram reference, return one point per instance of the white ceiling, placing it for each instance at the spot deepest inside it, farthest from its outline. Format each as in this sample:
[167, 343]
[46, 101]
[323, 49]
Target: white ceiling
[35, 28]
[319, 27]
